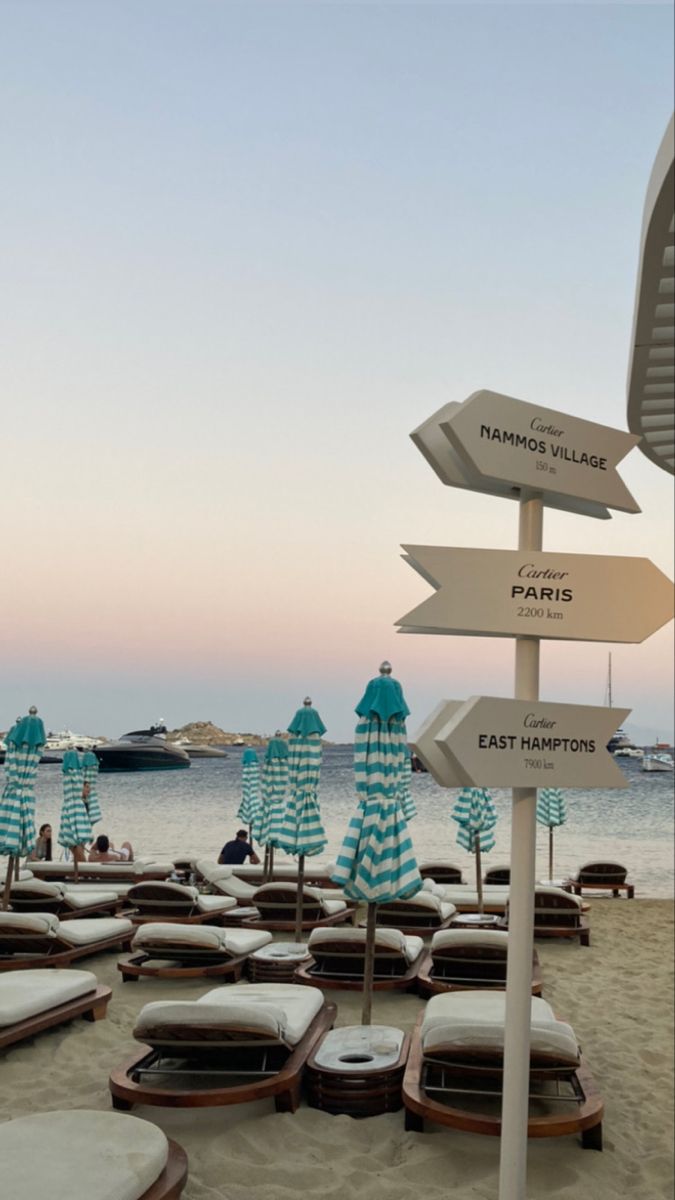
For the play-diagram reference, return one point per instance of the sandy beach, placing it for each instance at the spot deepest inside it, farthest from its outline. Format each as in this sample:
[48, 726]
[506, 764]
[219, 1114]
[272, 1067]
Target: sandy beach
[617, 994]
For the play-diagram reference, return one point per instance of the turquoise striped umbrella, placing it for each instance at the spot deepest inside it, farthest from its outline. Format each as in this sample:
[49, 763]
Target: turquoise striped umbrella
[75, 826]
[302, 832]
[551, 811]
[17, 807]
[376, 861]
[408, 806]
[475, 813]
[250, 789]
[90, 776]
[274, 791]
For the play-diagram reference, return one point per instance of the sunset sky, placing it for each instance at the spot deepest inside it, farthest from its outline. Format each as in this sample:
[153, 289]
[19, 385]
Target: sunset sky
[247, 248]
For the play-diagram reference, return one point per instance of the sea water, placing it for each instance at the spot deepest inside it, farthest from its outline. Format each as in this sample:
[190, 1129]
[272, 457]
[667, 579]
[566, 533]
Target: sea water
[164, 813]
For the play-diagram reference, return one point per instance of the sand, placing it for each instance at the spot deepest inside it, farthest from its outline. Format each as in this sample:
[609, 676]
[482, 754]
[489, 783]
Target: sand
[617, 994]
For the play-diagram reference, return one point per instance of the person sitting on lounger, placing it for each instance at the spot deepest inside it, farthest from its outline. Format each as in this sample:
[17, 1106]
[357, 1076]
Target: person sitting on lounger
[238, 850]
[43, 846]
[104, 851]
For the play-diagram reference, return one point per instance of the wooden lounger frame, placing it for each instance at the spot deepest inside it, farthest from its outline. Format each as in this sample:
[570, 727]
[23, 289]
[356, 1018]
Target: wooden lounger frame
[24, 902]
[284, 1086]
[397, 915]
[342, 969]
[43, 951]
[602, 877]
[279, 913]
[187, 963]
[169, 1185]
[420, 1107]
[92, 1006]
[86, 872]
[458, 977]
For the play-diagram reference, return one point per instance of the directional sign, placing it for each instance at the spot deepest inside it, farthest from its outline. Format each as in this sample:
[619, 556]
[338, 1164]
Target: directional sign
[453, 469]
[431, 754]
[491, 742]
[512, 593]
[504, 439]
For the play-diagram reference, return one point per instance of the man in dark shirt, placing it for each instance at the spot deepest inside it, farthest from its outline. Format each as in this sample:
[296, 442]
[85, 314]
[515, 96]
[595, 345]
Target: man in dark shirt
[237, 851]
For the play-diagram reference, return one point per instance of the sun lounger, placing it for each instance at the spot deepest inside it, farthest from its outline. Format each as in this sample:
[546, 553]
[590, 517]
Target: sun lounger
[224, 882]
[422, 914]
[233, 1045]
[441, 872]
[39, 895]
[558, 914]
[455, 1070]
[170, 951]
[276, 903]
[465, 898]
[120, 872]
[461, 959]
[499, 875]
[31, 1001]
[602, 876]
[84, 1155]
[317, 873]
[41, 940]
[175, 902]
[338, 957]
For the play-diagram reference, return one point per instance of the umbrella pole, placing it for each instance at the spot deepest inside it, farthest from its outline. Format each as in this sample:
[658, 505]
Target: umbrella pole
[479, 874]
[298, 901]
[271, 863]
[8, 881]
[550, 853]
[368, 965]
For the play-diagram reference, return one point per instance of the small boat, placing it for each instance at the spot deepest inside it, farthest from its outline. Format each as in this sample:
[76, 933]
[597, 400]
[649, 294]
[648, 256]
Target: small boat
[67, 740]
[657, 762]
[629, 752]
[142, 750]
[195, 750]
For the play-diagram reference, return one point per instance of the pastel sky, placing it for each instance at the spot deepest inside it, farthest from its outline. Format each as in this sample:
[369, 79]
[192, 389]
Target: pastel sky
[247, 248]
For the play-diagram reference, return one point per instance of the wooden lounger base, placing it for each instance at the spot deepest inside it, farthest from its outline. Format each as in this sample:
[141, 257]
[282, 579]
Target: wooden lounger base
[586, 1120]
[140, 965]
[110, 909]
[430, 985]
[615, 888]
[272, 970]
[62, 958]
[284, 1087]
[363, 1094]
[288, 926]
[170, 1184]
[167, 918]
[307, 973]
[91, 1006]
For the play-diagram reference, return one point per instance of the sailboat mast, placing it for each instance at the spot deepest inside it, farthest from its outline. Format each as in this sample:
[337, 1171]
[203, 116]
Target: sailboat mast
[609, 681]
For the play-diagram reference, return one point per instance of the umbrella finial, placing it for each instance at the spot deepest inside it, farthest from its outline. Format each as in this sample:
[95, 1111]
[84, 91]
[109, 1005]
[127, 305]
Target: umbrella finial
[307, 701]
[32, 711]
[385, 668]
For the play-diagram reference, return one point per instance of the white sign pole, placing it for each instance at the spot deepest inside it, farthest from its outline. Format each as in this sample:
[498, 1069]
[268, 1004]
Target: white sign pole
[515, 1098]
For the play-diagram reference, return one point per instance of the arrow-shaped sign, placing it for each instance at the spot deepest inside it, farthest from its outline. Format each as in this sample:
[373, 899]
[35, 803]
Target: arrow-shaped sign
[491, 742]
[425, 746]
[514, 593]
[510, 441]
[453, 470]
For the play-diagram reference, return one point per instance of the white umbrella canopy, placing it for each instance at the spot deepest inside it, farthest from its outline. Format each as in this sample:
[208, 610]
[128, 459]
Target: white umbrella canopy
[24, 741]
[376, 862]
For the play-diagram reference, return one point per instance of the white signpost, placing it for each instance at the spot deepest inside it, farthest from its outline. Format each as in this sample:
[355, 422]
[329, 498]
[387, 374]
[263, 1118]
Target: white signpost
[504, 593]
[492, 742]
[505, 447]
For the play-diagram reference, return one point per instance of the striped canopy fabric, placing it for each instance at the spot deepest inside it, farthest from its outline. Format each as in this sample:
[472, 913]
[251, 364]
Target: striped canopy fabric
[250, 788]
[408, 806]
[267, 827]
[475, 813]
[90, 776]
[551, 807]
[75, 826]
[17, 807]
[376, 862]
[301, 830]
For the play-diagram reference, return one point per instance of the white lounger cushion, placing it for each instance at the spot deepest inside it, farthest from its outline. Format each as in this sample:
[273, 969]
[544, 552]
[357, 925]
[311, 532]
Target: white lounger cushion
[79, 899]
[494, 895]
[490, 938]
[571, 901]
[80, 1155]
[172, 891]
[45, 924]
[385, 939]
[216, 904]
[40, 887]
[426, 899]
[476, 1018]
[278, 1010]
[231, 886]
[25, 994]
[206, 937]
[211, 871]
[330, 907]
[82, 931]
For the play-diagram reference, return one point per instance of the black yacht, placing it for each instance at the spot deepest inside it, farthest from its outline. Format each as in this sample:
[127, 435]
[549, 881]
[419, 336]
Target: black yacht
[141, 750]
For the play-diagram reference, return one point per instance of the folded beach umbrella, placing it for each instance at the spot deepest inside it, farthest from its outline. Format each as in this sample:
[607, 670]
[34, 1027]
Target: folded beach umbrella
[90, 776]
[408, 806]
[17, 806]
[376, 862]
[302, 832]
[476, 816]
[250, 789]
[551, 811]
[75, 826]
[274, 790]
